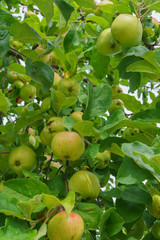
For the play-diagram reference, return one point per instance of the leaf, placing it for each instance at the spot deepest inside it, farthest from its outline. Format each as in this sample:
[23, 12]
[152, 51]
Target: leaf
[24, 33]
[86, 3]
[99, 100]
[130, 102]
[16, 67]
[129, 211]
[4, 41]
[136, 51]
[130, 173]
[84, 128]
[111, 224]
[3, 103]
[150, 57]
[60, 101]
[72, 40]
[40, 73]
[6, 18]
[99, 20]
[17, 230]
[152, 115]
[99, 63]
[42, 231]
[91, 30]
[90, 213]
[155, 6]
[46, 7]
[142, 66]
[51, 201]
[65, 8]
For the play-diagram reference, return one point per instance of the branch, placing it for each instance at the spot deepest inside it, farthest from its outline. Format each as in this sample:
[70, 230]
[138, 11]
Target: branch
[19, 53]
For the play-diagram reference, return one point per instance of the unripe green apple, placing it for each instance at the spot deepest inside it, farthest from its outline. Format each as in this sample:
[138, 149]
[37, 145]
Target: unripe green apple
[67, 146]
[27, 92]
[40, 51]
[18, 84]
[69, 87]
[61, 227]
[85, 183]
[127, 30]
[106, 45]
[102, 159]
[54, 125]
[115, 90]
[156, 230]
[12, 76]
[22, 158]
[77, 116]
[116, 104]
[46, 104]
[155, 208]
[57, 79]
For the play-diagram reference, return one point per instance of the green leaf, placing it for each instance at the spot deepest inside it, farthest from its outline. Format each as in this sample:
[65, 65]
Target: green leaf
[72, 40]
[24, 33]
[137, 51]
[154, 6]
[112, 8]
[152, 115]
[99, 100]
[90, 213]
[3, 103]
[99, 63]
[60, 101]
[150, 57]
[6, 18]
[51, 201]
[65, 8]
[16, 67]
[130, 173]
[86, 3]
[40, 73]
[68, 122]
[84, 128]
[142, 66]
[129, 211]
[4, 41]
[42, 231]
[46, 7]
[99, 20]
[91, 29]
[111, 224]
[17, 230]
[134, 193]
[130, 102]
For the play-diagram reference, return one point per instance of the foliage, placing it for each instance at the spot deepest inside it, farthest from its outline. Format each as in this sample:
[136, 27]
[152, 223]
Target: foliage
[65, 33]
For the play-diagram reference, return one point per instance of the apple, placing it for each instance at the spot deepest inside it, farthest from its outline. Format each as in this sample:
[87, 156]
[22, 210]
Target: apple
[57, 79]
[102, 159]
[77, 116]
[106, 45]
[22, 158]
[67, 146]
[61, 227]
[46, 104]
[69, 87]
[116, 90]
[156, 230]
[18, 84]
[54, 59]
[54, 125]
[27, 92]
[155, 208]
[155, 22]
[12, 76]
[40, 51]
[85, 183]
[116, 104]
[127, 30]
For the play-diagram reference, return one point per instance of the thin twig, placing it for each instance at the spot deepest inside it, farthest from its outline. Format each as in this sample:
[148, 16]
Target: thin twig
[86, 141]
[16, 51]
[49, 164]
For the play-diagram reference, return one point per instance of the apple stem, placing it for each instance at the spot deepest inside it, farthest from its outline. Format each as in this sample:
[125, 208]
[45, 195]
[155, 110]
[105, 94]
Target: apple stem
[87, 141]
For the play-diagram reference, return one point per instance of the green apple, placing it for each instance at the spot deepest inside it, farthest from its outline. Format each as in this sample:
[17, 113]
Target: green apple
[106, 45]
[69, 87]
[102, 159]
[57, 79]
[67, 146]
[156, 230]
[116, 104]
[77, 116]
[54, 59]
[18, 84]
[54, 125]
[155, 208]
[27, 92]
[61, 227]
[22, 158]
[40, 51]
[85, 183]
[46, 104]
[12, 76]
[127, 30]
[116, 90]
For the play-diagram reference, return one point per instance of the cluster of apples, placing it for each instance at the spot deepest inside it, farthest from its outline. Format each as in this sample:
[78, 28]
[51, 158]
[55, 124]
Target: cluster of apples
[126, 31]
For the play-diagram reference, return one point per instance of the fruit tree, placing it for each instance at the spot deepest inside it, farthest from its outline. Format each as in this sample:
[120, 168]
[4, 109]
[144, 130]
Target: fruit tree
[79, 119]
